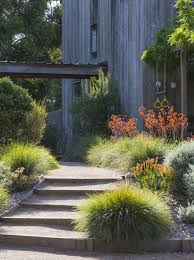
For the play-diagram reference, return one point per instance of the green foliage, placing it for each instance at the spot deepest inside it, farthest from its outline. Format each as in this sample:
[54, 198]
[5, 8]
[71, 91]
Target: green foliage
[153, 175]
[30, 29]
[50, 139]
[4, 198]
[77, 150]
[31, 32]
[47, 91]
[183, 34]
[33, 159]
[125, 153]
[188, 180]
[181, 158]
[159, 51]
[186, 214]
[15, 103]
[125, 214]
[35, 124]
[14, 181]
[92, 111]
[56, 56]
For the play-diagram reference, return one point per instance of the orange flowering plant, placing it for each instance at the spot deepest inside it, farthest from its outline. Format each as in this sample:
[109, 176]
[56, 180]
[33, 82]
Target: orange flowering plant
[166, 123]
[123, 126]
[153, 175]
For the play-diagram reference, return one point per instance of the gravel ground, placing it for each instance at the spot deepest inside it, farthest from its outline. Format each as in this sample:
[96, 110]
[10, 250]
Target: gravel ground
[10, 253]
[16, 197]
[181, 230]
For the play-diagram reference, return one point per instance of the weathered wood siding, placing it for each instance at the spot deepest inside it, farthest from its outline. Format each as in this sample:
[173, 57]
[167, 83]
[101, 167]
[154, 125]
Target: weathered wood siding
[125, 29]
[76, 48]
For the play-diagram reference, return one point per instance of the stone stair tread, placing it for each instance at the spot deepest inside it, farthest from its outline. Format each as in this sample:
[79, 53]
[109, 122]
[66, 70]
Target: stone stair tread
[53, 200]
[51, 231]
[93, 187]
[80, 170]
[41, 213]
[46, 216]
[92, 178]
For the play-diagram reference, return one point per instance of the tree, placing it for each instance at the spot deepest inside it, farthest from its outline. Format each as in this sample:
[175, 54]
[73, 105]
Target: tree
[178, 39]
[30, 31]
[182, 38]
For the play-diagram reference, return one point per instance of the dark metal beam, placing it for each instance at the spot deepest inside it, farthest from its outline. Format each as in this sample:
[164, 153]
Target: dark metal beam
[40, 70]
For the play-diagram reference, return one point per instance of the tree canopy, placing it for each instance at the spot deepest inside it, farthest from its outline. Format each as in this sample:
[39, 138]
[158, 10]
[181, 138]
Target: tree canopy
[180, 36]
[30, 31]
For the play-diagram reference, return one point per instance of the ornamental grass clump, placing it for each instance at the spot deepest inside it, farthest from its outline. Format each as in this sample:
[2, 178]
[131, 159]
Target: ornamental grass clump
[153, 175]
[4, 198]
[125, 214]
[124, 153]
[34, 160]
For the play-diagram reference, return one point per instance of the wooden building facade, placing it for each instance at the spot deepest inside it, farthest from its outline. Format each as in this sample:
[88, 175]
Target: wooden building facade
[116, 32]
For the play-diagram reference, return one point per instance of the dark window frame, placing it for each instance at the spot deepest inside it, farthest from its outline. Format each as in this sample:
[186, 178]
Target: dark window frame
[94, 29]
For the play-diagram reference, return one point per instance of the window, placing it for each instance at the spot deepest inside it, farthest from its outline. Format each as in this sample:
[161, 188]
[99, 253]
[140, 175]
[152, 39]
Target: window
[93, 29]
[94, 40]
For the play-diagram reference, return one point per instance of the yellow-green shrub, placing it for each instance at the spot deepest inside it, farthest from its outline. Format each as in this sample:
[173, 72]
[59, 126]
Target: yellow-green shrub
[125, 214]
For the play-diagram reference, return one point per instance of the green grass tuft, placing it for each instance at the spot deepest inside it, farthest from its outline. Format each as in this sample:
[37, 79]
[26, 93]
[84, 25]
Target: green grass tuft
[4, 198]
[125, 214]
[34, 159]
[125, 153]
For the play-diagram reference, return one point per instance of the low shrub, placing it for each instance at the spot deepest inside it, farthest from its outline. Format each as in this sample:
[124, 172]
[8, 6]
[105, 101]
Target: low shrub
[153, 175]
[188, 180]
[186, 214]
[91, 111]
[123, 126]
[125, 214]
[4, 197]
[34, 125]
[165, 123]
[15, 103]
[33, 159]
[77, 150]
[14, 181]
[181, 158]
[125, 153]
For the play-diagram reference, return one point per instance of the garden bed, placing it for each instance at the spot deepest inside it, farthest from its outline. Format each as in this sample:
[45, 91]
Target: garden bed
[180, 231]
[17, 197]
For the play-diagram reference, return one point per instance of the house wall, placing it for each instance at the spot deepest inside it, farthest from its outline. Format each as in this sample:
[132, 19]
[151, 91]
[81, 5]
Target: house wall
[76, 49]
[125, 29]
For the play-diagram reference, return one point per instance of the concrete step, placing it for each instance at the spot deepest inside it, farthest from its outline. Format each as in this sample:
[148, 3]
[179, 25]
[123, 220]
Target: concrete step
[80, 181]
[54, 236]
[59, 231]
[81, 190]
[55, 202]
[40, 216]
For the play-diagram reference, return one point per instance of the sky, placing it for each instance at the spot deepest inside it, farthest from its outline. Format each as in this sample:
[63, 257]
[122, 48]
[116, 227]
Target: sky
[54, 3]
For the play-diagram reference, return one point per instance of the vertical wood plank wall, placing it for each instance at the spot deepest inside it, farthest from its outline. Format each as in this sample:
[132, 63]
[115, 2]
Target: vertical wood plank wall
[125, 29]
[76, 49]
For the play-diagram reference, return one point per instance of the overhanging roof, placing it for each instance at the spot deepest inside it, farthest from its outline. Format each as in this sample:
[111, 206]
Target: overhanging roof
[41, 70]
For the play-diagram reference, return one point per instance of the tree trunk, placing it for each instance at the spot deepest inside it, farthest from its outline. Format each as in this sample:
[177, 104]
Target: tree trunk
[183, 57]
